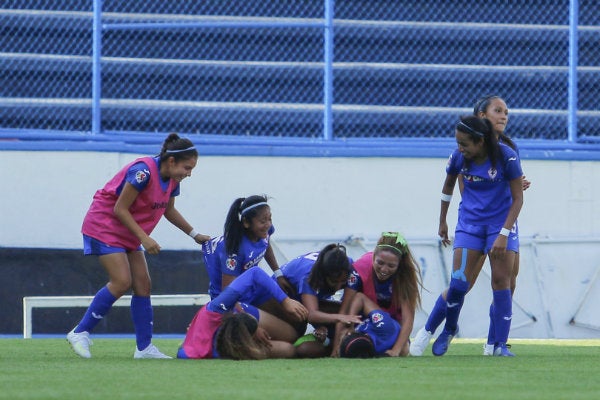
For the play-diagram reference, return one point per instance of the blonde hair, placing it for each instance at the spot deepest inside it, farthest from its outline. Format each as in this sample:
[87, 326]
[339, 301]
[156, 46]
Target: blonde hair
[235, 338]
[407, 279]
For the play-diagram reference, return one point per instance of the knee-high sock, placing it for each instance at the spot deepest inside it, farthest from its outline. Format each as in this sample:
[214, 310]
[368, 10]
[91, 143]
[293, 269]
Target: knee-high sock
[502, 314]
[492, 329]
[142, 315]
[100, 306]
[454, 302]
[437, 316]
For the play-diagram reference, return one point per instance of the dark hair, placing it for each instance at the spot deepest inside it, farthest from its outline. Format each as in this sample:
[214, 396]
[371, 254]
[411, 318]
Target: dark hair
[480, 129]
[481, 106]
[178, 148]
[331, 262]
[357, 345]
[407, 279]
[235, 338]
[242, 208]
[483, 103]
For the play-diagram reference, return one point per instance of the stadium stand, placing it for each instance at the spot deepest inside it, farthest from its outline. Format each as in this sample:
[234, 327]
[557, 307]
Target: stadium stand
[401, 69]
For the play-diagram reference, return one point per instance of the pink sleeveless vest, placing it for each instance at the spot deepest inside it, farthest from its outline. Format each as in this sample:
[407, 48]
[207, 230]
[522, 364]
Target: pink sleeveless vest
[198, 341]
[364, 267]
[101, 222]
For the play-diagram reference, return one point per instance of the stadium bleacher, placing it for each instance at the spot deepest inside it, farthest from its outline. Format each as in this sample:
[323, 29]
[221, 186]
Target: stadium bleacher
[399, 70]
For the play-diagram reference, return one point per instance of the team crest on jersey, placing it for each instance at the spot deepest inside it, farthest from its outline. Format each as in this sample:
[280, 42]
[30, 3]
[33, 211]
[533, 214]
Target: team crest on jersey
[231, 263]
[376, 317]
[352, 279]
[492, 172]
[142, 176]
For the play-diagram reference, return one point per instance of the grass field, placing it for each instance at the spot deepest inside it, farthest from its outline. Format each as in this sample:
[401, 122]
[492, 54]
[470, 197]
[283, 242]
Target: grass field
[48, 369]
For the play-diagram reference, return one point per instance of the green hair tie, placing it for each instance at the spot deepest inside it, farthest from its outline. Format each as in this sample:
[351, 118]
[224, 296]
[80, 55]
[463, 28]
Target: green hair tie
[399, 240]
[398, 236]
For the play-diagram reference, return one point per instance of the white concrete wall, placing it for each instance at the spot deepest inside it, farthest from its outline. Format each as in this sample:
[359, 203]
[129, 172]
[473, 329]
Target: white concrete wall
[318, 200]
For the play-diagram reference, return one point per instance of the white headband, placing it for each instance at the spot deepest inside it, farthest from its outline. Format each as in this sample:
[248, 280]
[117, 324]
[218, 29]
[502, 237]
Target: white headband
[181, 150]
[262, 203]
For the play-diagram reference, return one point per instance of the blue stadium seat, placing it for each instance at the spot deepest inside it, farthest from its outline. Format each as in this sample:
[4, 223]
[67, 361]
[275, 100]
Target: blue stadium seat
[392, 79]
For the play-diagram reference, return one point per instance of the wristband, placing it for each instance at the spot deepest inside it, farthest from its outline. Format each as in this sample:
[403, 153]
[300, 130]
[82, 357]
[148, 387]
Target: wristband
[192, 233]
[504, 232]
[277, 273]
[446, 197]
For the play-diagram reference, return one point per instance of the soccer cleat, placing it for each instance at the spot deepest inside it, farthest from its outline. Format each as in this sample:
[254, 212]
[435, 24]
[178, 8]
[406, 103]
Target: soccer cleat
[488, 349]
[501, 350]
[420, 342]
[441, 344]
[149, 352]
[80, 342]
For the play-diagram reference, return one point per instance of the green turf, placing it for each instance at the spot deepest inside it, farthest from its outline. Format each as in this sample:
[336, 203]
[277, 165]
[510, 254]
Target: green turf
[48, 369]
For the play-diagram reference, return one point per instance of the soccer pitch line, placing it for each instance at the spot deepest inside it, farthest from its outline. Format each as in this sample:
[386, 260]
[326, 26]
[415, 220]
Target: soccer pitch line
[556, 342]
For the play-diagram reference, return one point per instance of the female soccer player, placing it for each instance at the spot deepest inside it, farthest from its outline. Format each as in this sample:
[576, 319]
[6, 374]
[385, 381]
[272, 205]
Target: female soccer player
[316, 277]
[117, 229]
[391, 278]
[375, 336]
[244, 244]
[491, 201]
[223, 328]
[495, 110]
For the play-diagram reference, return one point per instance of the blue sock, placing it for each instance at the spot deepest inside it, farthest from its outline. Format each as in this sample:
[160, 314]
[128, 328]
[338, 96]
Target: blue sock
[492, 329]
[437, 316]
[502, 314]
[142, 315]
[100, 306]
[455, 299]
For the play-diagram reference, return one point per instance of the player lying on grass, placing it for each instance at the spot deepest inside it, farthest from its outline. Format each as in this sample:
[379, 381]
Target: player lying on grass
[226, 328]
[375, 336]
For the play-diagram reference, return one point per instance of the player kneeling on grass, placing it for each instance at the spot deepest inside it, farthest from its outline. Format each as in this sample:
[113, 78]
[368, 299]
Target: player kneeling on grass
[226, 328]
[375, 336]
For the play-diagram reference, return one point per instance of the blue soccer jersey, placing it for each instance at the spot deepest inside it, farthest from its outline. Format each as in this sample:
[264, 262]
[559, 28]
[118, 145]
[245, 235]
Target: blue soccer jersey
[382, 329]
[217, 262]
[297, 272]
[486, 196]
[383, 290]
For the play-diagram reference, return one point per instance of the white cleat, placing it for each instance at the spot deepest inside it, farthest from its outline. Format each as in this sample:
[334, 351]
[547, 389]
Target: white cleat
[420, 343]
[80, 342]
[149, 352]
[488, 349]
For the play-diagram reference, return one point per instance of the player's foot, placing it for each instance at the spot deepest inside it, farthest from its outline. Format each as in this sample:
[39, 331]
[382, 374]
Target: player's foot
[501, 350]
[80, 342]
[149, 352]
[488, 349]
[420, 342]
[441, 344]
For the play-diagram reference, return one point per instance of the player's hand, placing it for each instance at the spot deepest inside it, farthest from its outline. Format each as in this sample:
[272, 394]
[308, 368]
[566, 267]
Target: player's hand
[262, 336]
[321, 333]
[200, 238]
[443, 233]
[498, 249]
[295, 309]
[525, 183]
[391, 353]
[150, 245]
[348, 320]
[286, 286]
